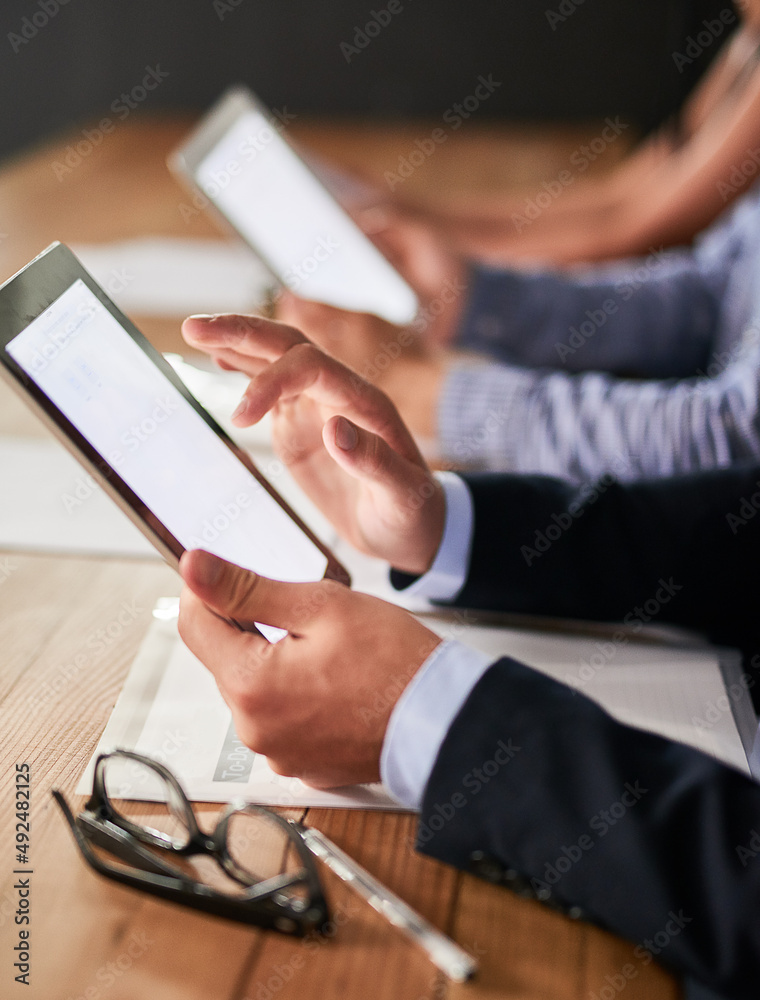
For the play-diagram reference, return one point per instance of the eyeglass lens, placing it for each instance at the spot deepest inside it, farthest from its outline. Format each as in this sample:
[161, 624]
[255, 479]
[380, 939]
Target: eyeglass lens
[258, 848]
[167, 819]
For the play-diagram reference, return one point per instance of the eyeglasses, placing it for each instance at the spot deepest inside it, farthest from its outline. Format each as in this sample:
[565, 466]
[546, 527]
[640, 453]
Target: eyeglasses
[254, 867]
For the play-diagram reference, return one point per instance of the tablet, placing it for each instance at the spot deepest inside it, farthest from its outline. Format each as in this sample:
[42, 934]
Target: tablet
[240, 160]
[122, 411]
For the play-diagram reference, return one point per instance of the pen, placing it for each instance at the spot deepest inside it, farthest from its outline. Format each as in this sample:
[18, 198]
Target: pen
[442, 952]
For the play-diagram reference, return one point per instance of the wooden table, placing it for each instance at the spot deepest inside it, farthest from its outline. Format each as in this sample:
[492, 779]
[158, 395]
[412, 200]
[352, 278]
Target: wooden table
[92, 939]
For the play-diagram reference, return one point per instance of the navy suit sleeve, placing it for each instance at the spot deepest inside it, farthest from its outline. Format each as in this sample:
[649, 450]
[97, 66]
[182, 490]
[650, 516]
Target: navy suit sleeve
[684, 550]
[537, 787]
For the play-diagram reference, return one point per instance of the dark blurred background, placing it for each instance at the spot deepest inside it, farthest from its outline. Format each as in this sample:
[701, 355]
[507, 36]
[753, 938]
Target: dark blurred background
[605, 57]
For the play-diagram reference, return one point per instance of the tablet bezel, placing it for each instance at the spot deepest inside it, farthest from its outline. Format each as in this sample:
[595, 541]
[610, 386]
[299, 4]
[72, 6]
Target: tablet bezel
[185, 160]
[24, 297]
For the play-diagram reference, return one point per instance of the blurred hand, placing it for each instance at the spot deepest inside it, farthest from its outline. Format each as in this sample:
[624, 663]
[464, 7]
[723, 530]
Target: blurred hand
[419, 252]
[317, 702]
[341, 437]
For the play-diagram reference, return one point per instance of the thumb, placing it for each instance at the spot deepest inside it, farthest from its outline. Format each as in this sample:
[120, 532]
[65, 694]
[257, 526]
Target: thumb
[238, 594]
[368, 457]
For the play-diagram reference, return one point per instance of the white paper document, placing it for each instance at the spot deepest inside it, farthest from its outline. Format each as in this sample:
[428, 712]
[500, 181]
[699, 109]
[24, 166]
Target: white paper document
[170, 707]
[165, 276]
[695, 695]
[49, 503]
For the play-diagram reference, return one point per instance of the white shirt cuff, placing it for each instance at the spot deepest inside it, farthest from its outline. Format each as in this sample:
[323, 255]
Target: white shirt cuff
[447, 575]
[423, 715]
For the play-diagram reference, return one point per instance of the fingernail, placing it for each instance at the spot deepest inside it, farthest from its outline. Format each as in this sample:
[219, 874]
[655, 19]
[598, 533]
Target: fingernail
[240, 409]
[208, 569]
[346, 436]
[204, 316]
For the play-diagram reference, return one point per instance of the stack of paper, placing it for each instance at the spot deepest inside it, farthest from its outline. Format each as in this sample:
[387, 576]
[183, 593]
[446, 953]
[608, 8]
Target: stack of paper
[170, 707]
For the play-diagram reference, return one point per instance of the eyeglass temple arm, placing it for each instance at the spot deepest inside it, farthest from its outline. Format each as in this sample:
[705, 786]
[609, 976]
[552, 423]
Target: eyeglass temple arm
[121, 848]
[113, 840]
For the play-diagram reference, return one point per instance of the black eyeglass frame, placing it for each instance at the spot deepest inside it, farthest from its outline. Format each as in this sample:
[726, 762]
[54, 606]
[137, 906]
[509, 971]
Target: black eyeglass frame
[261, 904]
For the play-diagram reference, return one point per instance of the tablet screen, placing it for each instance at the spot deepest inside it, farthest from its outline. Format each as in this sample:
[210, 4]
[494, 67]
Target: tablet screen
[279, 207]
[139, 422]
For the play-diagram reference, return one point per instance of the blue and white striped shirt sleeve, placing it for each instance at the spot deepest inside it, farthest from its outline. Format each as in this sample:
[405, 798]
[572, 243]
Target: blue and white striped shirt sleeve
[564, 394]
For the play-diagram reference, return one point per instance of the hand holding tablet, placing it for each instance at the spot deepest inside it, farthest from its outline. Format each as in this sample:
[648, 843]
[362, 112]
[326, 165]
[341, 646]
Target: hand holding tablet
[123, 412]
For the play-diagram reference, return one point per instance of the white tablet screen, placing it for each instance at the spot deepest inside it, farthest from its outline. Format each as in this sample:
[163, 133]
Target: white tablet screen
[310, 243]
[137, 420]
